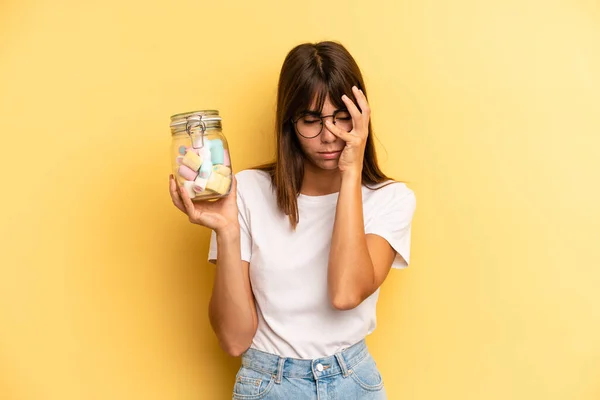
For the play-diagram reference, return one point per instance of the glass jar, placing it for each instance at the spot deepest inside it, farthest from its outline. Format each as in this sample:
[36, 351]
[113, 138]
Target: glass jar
[200, 155]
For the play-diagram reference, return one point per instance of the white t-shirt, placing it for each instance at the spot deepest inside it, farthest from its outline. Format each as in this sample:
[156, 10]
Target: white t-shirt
[288, 269]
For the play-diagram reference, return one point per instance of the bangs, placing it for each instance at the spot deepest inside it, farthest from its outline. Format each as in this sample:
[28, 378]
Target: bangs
[312, 95]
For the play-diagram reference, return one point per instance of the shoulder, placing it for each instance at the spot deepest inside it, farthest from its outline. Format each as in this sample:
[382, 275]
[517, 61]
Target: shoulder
[388, 189]
[254, 185]
[251, 178]
[389, 195]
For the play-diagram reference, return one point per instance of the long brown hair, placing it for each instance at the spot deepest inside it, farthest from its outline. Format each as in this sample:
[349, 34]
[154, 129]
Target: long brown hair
[312, 71]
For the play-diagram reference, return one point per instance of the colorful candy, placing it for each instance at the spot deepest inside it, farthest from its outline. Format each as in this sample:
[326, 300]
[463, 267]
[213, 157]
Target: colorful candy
[200, 184]
[218, 183]
[221, 169]
[205, 153]
[217, 152]
[198, 141]
[189, 188]
[216, 143]
[204, 171]
[192, 160]
[187, 173]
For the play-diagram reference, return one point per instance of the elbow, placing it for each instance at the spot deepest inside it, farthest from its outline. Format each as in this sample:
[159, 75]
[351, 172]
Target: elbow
[345, 296]
[234, 349]
[235, 345]
[344, 302]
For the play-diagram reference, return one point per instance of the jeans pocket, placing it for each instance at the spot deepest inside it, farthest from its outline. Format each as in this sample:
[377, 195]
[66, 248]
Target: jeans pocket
[366, 374]
[251, 384]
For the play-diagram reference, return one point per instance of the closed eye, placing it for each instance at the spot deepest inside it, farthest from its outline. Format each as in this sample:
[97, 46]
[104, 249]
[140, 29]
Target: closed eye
[310, 120]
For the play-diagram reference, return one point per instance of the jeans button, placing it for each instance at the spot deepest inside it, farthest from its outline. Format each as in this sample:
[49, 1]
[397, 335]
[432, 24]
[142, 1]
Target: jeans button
[320, 367]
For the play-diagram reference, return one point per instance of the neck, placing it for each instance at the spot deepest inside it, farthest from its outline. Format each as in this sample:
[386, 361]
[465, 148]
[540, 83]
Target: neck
[319, 182]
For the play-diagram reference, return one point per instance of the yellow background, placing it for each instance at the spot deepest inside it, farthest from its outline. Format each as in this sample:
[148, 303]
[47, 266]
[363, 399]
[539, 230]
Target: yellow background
[489, 110]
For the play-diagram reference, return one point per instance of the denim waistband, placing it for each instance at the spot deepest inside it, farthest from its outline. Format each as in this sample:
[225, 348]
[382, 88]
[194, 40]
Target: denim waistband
[279, 367]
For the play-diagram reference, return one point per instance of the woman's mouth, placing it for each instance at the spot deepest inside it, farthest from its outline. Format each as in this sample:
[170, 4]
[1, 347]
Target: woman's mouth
[330, 155]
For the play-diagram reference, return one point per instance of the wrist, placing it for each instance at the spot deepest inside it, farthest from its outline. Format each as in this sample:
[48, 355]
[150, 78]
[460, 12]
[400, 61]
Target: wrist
[228, 232]
[353, 175]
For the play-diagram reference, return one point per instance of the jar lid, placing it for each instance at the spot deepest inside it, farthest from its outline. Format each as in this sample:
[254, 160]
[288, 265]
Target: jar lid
[210, 118]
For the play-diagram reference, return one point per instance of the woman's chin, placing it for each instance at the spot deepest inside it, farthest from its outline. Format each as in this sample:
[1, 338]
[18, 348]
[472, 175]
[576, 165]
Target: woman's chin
[328, 164]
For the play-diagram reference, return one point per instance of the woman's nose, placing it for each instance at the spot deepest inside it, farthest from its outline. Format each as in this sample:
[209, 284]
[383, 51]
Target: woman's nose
[327, 136]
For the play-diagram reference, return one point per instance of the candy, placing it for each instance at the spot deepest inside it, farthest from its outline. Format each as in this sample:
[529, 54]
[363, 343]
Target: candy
[206, 168]
[189, 188]
[218, 183]
[200, 184]
[198, 141]
[221, 169]
[203, 167]
[213, 181]
[205, 153]
[218, 155]
[187, 173]
[217, 151]
[192, 160]
[216, 143]
[225, 185]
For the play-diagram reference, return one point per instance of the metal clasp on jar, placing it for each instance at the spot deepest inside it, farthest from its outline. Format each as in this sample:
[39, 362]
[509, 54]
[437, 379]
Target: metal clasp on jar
[192, 127]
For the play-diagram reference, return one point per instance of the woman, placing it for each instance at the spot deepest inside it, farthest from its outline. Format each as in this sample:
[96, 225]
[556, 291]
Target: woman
[302, 245]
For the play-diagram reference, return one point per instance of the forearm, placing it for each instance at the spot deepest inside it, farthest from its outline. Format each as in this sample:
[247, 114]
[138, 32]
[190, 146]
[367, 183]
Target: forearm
[231, 311]
[350, 272]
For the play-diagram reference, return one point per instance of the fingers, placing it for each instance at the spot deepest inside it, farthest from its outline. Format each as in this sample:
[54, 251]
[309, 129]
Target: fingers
[233, 187]
[187, 202]
[339, 132]
[359, 119]
[353, 110]
[362, 101]
[232, 195]
[233, 183]
[175, 197]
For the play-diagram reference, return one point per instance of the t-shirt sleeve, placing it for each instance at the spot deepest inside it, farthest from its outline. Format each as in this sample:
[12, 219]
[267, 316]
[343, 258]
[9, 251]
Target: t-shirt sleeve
[392, 220]
[245, 236]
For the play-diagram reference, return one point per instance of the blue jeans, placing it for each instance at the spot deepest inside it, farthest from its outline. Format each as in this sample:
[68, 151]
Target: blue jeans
[349, 374]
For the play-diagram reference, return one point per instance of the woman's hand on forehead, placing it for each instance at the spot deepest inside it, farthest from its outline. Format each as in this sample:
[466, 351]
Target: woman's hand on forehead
[352, 156]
